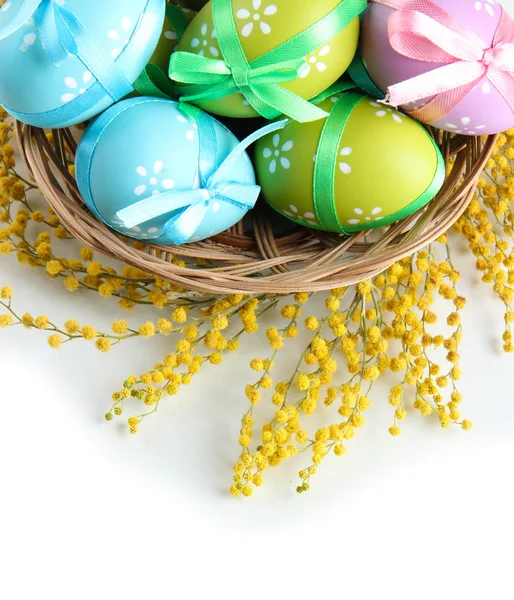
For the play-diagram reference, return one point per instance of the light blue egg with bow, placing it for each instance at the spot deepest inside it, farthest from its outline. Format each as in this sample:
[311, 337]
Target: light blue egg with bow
[65, 61]
[155, 173]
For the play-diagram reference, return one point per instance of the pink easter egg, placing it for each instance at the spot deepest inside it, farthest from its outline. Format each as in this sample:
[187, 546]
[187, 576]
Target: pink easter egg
[483, 110]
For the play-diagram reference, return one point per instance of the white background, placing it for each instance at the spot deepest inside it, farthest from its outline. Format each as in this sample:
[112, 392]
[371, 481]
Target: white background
[88, 511]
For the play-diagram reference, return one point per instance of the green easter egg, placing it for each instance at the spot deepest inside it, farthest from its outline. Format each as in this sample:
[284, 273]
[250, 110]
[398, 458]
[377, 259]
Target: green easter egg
[168, 42]
[154, 80]
[385, 167]
[264, 25]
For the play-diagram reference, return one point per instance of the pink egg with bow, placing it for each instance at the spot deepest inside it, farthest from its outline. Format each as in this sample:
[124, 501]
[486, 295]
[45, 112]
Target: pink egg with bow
[445, 62]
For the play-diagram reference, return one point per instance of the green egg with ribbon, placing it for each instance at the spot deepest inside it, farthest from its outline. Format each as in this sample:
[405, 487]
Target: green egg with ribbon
[245, 58]
[154, 80]
[365, 166]
[176, 22]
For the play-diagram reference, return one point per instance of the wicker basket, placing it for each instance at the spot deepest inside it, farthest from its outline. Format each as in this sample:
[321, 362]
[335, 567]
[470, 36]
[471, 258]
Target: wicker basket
[261, 256]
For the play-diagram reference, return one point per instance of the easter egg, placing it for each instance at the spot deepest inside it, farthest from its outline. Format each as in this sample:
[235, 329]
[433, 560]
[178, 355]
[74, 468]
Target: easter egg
[168, 42]
[150, 171]
[154, 80]
[365, 166]
[65, 61]
[263, 29]
[395, 48]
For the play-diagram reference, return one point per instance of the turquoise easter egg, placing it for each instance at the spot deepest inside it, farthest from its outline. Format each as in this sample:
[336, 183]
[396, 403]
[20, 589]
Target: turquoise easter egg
[65, 61]
[147, 152]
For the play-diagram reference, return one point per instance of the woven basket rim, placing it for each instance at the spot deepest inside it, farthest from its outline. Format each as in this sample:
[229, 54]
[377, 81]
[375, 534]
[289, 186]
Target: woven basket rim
[260, 260]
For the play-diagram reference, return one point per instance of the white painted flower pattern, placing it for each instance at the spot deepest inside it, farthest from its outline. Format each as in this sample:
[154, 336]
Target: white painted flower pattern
[314, 60]
[190, 134]
[294, 213]
[363, 217]
[153, 179]
[121, 36]
[30, 38]
[343, 165]
[148, 235]
[465, 126]
[73, 85]
[384, 110]
[276, 153]
[414, 106]
[169, 34]
[256, 16]
[205, 43]
[487, 5]
[244, 99]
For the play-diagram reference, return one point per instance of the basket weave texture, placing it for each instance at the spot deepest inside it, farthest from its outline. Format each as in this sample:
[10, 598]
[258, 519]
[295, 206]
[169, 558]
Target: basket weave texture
[260, 257]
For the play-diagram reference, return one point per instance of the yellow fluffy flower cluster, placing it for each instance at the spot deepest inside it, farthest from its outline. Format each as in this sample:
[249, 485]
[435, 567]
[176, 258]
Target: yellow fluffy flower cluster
[488, 226]
[382, 327]
[394, 327]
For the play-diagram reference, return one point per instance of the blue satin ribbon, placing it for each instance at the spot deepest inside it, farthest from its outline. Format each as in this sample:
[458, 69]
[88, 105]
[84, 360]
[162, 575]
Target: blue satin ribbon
[188, 207]
[64, 37]
[56, 34]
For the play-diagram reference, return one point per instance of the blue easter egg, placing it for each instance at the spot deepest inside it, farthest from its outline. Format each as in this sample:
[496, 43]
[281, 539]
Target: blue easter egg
[144, 147]
[65, 61]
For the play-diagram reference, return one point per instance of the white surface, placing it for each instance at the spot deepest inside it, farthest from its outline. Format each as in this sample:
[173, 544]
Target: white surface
[88, 511]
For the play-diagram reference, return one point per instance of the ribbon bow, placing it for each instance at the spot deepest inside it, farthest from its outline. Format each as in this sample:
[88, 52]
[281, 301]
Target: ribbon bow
[188, 207]
[213, 79]
[467, 59]
[259, 81]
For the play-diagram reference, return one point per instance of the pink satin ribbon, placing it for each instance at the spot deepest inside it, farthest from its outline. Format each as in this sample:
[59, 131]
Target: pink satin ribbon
[423, 31]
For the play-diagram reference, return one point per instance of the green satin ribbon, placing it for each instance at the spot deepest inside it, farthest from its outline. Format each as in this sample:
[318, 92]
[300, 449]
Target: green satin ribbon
[327, 157]
[343, 85]
[259, 81]
[357, 71]
[153, 81]
[178, 19]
